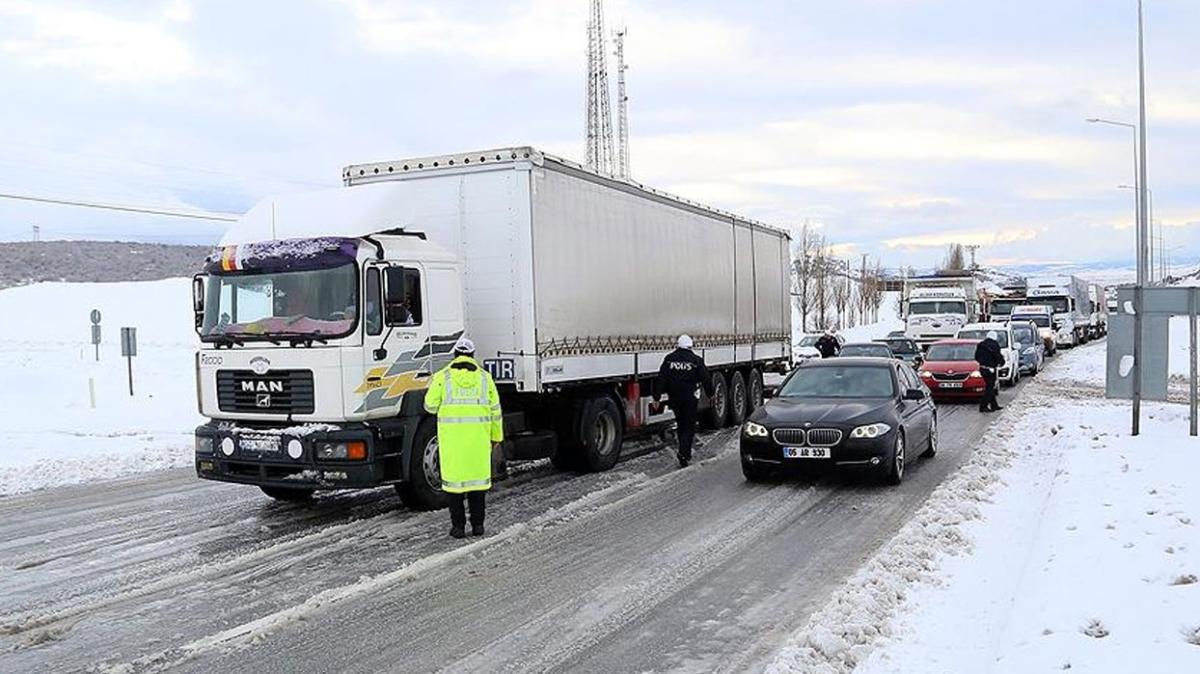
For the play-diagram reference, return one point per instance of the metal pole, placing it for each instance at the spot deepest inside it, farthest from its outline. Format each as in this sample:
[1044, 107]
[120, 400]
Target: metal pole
[129, 361]
[1192, 400]
[1142, 219]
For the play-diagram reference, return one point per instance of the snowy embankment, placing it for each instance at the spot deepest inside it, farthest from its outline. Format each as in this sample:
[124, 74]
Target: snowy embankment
[1091, 370]
[50, 434]
[1063, 543]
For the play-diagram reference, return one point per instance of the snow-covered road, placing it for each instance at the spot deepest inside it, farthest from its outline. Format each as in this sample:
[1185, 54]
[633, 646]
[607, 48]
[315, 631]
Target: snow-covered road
[642, 568]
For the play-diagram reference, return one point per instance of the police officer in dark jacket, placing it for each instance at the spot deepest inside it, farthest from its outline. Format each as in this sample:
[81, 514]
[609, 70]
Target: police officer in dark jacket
[990, 359]
[828, 345]
[682, 375]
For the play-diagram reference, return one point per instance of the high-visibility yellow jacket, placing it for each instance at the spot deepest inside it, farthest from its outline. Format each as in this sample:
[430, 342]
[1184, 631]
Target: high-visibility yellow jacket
[467, 405]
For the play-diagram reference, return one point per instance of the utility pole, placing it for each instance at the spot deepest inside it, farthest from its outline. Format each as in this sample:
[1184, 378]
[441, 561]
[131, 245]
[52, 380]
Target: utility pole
[972, 249]
[598, 111]
[623, 168]
[37, 233]
[1143, 219]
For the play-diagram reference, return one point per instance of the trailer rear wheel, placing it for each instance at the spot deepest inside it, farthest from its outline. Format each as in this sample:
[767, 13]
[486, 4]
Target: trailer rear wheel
[737, 399]
[289, 494]
[756, 388]
[601, 432]
[718, 407]
[423, 488]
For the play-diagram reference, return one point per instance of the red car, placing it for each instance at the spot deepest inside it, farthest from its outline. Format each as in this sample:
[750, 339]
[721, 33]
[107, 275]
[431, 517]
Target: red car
[950, 370]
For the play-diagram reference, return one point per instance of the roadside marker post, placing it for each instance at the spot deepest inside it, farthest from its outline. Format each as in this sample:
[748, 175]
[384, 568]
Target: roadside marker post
[129, 350]
[96, 332]
[1192, 401]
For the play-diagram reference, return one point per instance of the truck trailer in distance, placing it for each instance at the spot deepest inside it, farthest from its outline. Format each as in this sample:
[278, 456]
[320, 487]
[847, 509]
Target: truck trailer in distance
[1070, 301]
[323, 315]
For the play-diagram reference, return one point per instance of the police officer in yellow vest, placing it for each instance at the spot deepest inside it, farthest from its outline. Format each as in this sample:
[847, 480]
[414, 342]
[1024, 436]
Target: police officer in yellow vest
[469, 426]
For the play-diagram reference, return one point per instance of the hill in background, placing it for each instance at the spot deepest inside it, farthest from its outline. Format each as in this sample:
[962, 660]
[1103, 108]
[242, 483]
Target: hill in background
[26, 262]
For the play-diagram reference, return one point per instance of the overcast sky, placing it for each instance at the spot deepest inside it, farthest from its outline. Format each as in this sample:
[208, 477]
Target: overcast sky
[897, 126]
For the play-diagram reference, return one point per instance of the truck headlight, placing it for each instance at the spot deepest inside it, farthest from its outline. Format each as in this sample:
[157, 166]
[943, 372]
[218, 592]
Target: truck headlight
[204, 444]
[870, 431]
[753, 430]
[353, 450]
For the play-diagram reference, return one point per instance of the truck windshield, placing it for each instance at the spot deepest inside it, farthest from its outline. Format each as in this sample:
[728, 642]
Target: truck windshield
[1004, 307]
[937, 307]
[1059, 305]
[1040, 320]
[321, 303]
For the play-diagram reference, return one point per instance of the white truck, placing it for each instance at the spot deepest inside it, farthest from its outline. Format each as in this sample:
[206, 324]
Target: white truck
[322, 316]
[1069, 299]
[1098, 323]
[936, 307]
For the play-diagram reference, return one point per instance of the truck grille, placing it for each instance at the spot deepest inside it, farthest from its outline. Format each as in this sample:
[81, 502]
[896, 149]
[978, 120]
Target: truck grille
[279, 392]
[816, 437]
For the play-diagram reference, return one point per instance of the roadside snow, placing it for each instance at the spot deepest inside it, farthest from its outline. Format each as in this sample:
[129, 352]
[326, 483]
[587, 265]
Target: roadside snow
[49, 434]
[1092, 369]
[1063, 543]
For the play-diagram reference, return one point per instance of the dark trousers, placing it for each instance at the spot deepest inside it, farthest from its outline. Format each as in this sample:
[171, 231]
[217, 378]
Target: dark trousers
[458, 509]
[989, 393]
[685, 420]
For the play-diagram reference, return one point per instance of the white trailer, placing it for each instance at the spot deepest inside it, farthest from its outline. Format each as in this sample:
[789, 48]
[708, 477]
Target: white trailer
[1069, 299]
[323, 315]
[1098, 323]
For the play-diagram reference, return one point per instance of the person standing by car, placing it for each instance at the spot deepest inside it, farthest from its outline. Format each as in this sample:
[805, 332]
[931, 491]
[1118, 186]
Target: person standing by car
[463, 396]
[990, 359]
[828, 345]
[683, 374]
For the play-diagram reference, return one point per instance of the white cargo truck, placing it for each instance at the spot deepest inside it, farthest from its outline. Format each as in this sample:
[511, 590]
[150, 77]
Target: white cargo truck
[1098, 324]
[322, 316]
[1068, 298]
[936, 307]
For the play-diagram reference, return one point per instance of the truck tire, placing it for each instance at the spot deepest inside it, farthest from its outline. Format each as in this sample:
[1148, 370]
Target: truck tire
[738, 399]
[423, 488]
[569, 456]
[601, 432]
[756, 389]
[289, 494]
[718, 407]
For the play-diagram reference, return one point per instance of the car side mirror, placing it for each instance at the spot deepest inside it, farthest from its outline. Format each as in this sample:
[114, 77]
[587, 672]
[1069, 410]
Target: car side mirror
[914, 394]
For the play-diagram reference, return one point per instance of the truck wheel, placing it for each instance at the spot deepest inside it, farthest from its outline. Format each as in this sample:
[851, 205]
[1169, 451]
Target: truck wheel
[601, 431]
[737, 399]
[423, 489]
[756, 389]
[718, 405]
[289, 494]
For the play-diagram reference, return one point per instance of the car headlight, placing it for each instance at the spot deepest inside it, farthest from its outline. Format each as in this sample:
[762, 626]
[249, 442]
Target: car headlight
[753, 430]
[204, 444]
[870, 431]
[926, 373]
[976, 373]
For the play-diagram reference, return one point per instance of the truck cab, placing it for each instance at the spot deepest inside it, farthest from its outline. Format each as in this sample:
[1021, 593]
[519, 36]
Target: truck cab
[935, 313]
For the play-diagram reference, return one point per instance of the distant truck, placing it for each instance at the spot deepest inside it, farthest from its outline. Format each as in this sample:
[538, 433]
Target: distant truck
[1069, 300]
[1000, 307]
[936, 307]
[1098, 322]
[323, 316]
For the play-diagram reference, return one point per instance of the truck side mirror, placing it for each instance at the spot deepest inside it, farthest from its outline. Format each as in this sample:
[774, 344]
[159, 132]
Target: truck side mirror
[198, 299]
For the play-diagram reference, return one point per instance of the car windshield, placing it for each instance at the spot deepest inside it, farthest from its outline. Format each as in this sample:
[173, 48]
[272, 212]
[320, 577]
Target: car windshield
[318, 303]
[1001, 336]
[1005, 307]
[1023, 334]
[1040, 320]
[937, 307]
[850, 381]
[902, 347]
[951, 352]
[870, 350]
[810, 340]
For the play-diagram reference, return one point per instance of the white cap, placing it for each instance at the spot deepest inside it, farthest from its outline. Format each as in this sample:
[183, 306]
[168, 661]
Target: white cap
[684, 342]
[464, 345]
[992, 334]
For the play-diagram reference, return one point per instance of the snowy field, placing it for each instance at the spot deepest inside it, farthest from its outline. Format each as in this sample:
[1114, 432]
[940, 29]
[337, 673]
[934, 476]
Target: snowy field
[50, 434]
[1063, 544]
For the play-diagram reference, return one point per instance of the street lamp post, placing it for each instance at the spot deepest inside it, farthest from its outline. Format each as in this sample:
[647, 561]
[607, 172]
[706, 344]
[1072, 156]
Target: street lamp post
[1137, 194]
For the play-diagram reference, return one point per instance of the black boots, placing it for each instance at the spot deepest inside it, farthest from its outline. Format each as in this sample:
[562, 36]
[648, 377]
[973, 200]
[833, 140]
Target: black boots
[477, 530]
[457, 532]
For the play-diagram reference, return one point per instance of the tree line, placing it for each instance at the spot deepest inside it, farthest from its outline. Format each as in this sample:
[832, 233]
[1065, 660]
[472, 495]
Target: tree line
[830, 292]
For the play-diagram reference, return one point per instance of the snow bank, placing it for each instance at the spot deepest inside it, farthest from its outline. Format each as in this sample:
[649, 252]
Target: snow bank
[1063, 543]
[49, 433]
[1091, 369]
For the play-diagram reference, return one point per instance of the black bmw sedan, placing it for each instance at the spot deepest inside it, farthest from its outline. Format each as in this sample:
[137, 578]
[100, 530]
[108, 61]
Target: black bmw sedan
[872, 413]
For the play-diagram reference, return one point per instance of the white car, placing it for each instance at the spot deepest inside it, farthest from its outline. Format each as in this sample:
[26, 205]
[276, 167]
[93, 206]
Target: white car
[806, 348]
[1010, 372]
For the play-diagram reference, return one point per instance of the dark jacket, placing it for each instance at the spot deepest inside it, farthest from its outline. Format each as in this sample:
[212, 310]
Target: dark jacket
[988, 354]
[828, 345]
[682, 372]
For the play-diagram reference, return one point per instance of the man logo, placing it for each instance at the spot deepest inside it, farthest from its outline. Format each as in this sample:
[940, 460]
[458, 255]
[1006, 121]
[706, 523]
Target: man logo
[263, 400]
[262, 387]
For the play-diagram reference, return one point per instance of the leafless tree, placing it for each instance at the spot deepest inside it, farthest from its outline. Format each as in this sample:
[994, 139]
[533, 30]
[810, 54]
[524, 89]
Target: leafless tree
[956, 258]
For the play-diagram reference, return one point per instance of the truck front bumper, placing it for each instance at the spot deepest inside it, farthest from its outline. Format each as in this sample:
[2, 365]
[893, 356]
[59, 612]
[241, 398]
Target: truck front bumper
[229, 452]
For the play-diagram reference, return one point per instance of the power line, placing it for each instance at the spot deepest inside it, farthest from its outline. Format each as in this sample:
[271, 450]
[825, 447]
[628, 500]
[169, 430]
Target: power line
[127, 209]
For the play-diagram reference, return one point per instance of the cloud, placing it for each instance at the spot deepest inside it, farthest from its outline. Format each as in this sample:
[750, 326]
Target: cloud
[965, 237]
[104, 47]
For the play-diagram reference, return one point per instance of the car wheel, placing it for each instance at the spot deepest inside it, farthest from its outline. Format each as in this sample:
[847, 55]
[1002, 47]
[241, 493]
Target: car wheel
[894, 473]
[289, 494]
[931, 449]
[738, 399]
[755, 472]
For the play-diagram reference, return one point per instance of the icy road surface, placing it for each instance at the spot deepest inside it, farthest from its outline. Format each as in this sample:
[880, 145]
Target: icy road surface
[642, 568]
